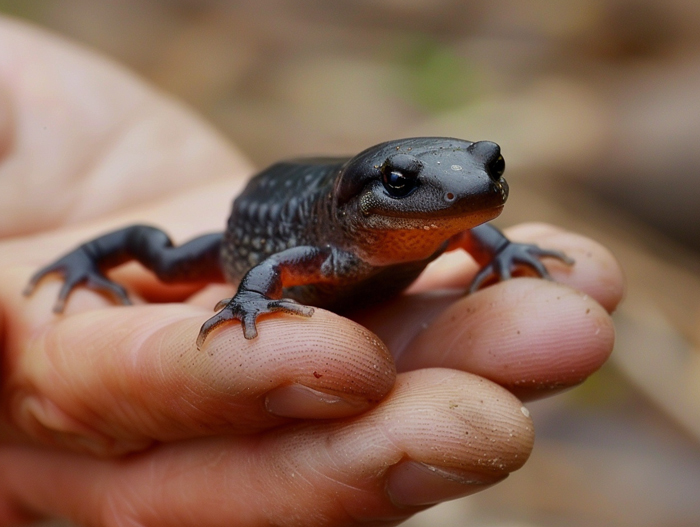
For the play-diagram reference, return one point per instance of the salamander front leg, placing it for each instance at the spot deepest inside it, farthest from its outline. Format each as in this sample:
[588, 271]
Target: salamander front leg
[260, 291]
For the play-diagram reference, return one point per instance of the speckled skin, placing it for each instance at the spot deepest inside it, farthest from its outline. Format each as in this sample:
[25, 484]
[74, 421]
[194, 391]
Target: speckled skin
[280, 208]
[334, 233]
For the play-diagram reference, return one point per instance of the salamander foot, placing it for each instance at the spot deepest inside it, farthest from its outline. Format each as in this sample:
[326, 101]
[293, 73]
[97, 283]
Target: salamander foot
[247, 306]
[77, 268]
[513, 255]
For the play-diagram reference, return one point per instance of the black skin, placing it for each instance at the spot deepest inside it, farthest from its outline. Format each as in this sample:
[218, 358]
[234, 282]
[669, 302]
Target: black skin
[333, 233]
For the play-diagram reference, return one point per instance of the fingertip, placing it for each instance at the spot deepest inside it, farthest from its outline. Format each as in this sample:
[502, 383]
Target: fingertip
[482, 427]
[529, 335]
[325, 352]
[441, 434]
[594, 270]
[302, 368]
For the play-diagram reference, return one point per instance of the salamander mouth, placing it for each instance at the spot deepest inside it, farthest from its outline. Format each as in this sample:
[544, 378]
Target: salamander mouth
[449, 205]
[470, 219]
[430, 222]
[459, 222]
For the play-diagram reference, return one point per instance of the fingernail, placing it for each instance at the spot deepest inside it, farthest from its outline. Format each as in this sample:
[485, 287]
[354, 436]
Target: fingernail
[412, 484]
[302, 402]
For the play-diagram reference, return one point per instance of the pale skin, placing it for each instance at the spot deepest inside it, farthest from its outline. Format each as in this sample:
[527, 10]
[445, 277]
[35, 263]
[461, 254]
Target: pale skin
[110, 414]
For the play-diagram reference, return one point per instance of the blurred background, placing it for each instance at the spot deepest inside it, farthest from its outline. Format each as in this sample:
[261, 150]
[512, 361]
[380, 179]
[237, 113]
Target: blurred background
[596, 104]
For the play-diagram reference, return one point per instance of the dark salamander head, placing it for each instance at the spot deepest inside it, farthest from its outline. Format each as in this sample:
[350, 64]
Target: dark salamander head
[424, 177]
[437, 184]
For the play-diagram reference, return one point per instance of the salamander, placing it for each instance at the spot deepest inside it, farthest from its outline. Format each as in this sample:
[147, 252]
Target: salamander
[336, 233]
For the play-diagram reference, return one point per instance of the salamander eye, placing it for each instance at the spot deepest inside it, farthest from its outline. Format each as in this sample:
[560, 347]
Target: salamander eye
[496, 168]
[397, 183]
[400, 175]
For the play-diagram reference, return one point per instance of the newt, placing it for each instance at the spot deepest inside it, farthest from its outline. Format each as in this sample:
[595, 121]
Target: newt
[335, 233]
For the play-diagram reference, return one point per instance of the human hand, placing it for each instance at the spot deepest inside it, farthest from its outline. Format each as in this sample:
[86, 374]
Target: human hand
[111, 415]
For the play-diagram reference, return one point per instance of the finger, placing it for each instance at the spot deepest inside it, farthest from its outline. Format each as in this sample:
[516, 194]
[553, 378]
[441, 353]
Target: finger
[595, 271]
[532, 336]
[439, 435]
[113, 380]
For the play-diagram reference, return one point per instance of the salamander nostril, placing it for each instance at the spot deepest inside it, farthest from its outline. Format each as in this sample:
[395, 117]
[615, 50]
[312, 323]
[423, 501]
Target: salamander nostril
[449, 196]
[489, 154]
[496, 168]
